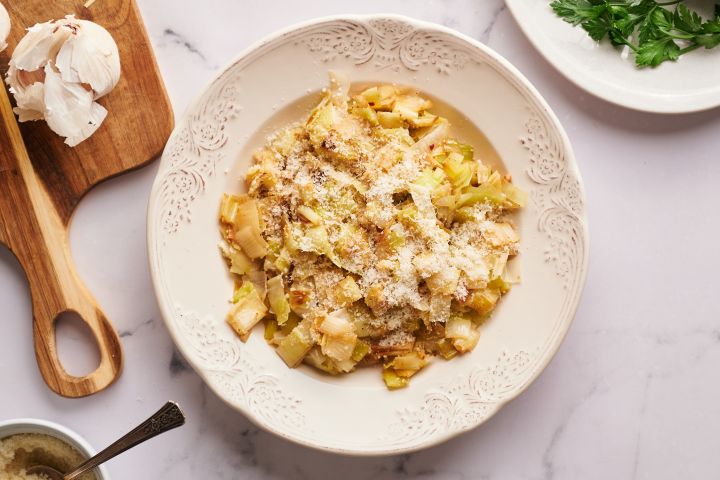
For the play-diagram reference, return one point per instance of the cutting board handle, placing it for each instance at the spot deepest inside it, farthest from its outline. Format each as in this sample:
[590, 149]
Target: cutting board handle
[38, 239]
[45, 341]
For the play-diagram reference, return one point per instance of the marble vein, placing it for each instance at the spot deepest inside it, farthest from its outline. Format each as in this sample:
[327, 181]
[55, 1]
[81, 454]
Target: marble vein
[178, 39]
[487, 31]
[137, 328]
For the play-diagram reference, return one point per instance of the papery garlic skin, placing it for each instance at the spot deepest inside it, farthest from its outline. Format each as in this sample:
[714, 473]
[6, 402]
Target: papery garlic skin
[4, 27]
[58, 70]
[90, 57]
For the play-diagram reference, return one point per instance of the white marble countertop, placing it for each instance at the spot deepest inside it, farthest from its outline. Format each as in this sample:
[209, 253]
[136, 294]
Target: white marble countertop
[632, 393]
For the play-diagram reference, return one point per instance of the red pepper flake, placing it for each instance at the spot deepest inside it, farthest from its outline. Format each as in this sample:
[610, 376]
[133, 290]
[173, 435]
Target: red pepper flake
[432, 145]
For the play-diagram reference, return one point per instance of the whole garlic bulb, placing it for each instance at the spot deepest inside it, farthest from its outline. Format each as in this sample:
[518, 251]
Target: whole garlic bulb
[58, 70]
[4, 27]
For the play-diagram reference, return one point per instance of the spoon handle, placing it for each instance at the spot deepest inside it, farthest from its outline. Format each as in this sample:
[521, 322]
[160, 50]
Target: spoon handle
[168, 417]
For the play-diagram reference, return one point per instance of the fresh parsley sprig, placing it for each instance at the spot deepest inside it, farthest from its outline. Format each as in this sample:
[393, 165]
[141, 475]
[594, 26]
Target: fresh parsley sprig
[655, 31]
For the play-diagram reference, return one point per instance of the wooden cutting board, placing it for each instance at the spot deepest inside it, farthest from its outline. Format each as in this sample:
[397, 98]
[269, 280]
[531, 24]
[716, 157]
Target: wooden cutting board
[42, 181]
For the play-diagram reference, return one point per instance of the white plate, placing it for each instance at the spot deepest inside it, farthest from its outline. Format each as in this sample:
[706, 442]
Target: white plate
[275, 82]
[688, 85]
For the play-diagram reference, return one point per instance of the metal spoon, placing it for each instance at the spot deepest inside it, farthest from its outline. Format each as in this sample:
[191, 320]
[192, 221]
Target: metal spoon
[168, 417]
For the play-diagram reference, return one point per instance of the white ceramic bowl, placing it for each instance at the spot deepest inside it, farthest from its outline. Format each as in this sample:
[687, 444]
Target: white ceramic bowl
[32, 425]
[274, 83]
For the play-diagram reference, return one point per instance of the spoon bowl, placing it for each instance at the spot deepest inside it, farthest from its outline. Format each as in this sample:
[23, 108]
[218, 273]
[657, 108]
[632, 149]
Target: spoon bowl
[49, 472]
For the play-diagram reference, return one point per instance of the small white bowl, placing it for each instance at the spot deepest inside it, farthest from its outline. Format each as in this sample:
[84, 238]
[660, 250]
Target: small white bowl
[32, 425]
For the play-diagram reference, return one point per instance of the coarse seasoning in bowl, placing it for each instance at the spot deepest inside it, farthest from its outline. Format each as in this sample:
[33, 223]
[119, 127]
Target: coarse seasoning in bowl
[26, 442]
[278, 82]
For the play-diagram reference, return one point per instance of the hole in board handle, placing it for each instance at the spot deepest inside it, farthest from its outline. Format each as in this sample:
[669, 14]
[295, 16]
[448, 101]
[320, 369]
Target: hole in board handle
[78, 351]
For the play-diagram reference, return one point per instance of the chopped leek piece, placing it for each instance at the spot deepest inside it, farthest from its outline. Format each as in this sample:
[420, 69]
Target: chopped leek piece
[347, 291]
[484, 193]
[390, 119]
[319, 240]
[316, 358]
[247, 311]
[229, 208]
[405, 112]
[483, 301]
[336, 323]
[516, 197]
[464, 214]
[498, 266]
[430, 178]
[289, 238]
[424, 120]
[446, 201]
[482, 173]
[395, 237]
[411, 103]
[459, 172]
[371, 96]
[251, 241]
[393, 380]
[338, 347]
[445, 281]
[293, 321]
[242, 291]
[259, 280]
[500, 234]
[500, 284]
[388, 93]
[308, 214]
[361, 349]
[466, 151]
[241, 212]
[240, 264]
[447, 349]
[271, 327]
[408, 362]
[408, 214]
[458, 327]
[465, 344]
[285, 141]
[293, 348]
[338, 341]
[283, 261]
[299, 299]
[367, 113]
[277, 299]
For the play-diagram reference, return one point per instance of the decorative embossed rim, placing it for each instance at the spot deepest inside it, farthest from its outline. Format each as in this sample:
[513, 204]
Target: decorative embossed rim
[545, 118]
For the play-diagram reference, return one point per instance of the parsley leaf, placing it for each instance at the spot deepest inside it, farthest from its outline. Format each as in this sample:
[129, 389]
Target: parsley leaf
[653, 52]
[656, 31]
[687, 20]
[577, 11]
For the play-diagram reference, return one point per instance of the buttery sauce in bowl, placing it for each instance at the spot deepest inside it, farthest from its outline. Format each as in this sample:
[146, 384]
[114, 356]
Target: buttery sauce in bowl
[21, 451]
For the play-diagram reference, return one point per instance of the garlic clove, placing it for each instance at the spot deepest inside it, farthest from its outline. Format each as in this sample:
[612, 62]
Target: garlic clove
[97, 116]
[41, 42]
[4, 27]
[30, 103]
[69, 108]
[90, 56]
